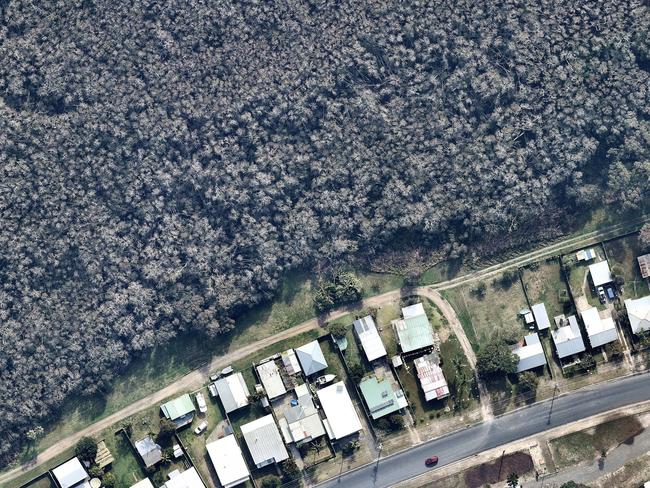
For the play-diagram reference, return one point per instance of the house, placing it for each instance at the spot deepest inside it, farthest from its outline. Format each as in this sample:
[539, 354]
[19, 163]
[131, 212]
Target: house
[413, 330]
[601, 330]
[233, 392]
[585, 255]
[179, 410]
[541, 317]
[380, 396]
[644, 265]
[567, 338]
[531, 354]
[301, 422]
[264, 441]
[638, 312]
[228, 461]
[270, 377]
[432, 380]
[103, 457]
[145, 483]
[150, 452]
[600, 273]
[311, 358]
[71, 474]
[371, 342]
[186, 479]
[290, 362]
[341, 416]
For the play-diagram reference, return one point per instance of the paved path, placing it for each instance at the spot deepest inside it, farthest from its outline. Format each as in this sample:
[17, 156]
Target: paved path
[500, 431]
[587, 473]
[197, 378]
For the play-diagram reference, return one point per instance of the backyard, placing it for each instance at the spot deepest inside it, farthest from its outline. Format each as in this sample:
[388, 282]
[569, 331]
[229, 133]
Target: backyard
[622, 254]
[490, 310]
[545, 283]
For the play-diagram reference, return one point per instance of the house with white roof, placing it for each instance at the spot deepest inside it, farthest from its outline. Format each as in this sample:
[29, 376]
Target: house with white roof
[145, 483]
[531, 353]
[371, 342]
[567, 338]
[271, 379]
[264, 441]
[290, 362]
[600, 330]
[301, 422]
[413, 331]
[585, 255]
[71, 474]
[184, 479]
[541, 317]
[311, 358]
[432, 379]
[600, 273]
[228, 461]
[233, 392]
[638, 312]
[341, 416]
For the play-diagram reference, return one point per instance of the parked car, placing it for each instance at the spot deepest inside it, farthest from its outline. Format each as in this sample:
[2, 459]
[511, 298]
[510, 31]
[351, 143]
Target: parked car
[201, 428]
[611, 293]
[601, 294]
[433, 460]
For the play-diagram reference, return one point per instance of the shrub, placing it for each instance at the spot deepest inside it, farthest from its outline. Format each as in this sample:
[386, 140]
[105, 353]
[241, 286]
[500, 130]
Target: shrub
[496, 359]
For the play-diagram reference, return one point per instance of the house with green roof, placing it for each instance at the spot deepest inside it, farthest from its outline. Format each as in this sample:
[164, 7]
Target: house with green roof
[382, 397]
[179, 410]
[413, 331]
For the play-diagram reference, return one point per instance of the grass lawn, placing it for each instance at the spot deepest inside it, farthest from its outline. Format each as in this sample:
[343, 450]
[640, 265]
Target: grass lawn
[578, 273]
[586, 445]
[43, 482]
[126, 467]
[491, 315]
[195, 445]
[334, 364]
[622, 254]
[544, 283]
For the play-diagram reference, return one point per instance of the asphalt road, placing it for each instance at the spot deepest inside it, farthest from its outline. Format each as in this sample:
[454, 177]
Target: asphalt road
[502, 430]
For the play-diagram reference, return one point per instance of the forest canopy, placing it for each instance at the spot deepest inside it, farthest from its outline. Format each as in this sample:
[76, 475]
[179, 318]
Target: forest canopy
[162, 164]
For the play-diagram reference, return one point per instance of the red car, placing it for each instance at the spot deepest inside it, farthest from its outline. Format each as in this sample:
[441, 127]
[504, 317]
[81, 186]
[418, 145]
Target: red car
[431, 461]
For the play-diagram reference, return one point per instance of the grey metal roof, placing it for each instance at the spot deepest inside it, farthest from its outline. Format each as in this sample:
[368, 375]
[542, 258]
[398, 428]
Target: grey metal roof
[311, 358]
[264, 441]
[541, 317]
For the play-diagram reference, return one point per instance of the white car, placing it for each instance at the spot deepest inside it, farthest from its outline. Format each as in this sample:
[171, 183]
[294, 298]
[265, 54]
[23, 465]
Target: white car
[201, 428]
[200, 401]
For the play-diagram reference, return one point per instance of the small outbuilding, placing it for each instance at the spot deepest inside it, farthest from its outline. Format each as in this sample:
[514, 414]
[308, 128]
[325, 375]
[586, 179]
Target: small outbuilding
[264, 441]
[179, 410]
[531, 353]
[644, 265]
[371, 342]
[585, 255]
[541, 317]
[228, 461]
[233, 392]
[311, 358]
[145, 483]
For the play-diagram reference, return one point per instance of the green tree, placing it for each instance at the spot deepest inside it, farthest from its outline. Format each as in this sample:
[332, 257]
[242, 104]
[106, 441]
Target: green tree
[290, 469]
[166, 432]
[356, 372]
[495, 359]
[396, 422]
[573, 484]
[86, 449]
[338, 330]
[35, 433]
[270, 482]
[644, 238]
[528, 382]
[513, 480]
[108, 480]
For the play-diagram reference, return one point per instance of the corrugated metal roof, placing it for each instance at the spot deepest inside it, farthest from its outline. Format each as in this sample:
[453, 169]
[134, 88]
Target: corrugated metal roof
[380, 397]
[414, 331]
[70, 473]
[531, 355]
[638, 311]
[541, 317]
[228, 461]
[178, 407]
[271, 379]
[342, 419]
[264, 442]
[233, 392]
[432, 379]
[311, 358]
[567, 339]
[600, 273]
[371, 342]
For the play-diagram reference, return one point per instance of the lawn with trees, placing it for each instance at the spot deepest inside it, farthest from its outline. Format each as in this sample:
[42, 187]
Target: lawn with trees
[164, 166]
